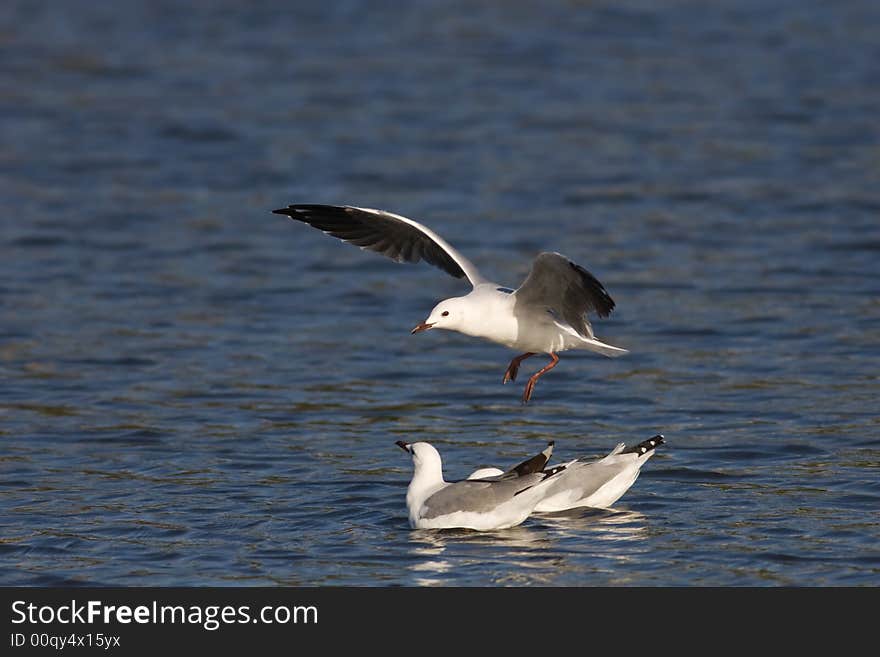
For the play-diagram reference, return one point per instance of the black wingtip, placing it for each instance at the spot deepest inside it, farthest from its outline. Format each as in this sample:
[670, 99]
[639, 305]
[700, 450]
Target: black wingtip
[532, 465]
[301, 211]
[553, 471]
[601, 299]
[647, 446]
[305, 209]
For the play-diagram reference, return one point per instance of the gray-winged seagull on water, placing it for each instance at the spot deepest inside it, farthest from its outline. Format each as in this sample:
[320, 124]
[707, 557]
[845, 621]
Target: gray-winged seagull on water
[502, 502]
[546, 314]
[597, 483]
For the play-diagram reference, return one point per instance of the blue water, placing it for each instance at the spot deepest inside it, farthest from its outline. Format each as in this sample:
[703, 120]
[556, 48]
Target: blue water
[198, 392]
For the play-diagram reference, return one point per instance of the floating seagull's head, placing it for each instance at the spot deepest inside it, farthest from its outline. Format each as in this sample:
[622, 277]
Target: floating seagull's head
[424, 455]
[448, 314]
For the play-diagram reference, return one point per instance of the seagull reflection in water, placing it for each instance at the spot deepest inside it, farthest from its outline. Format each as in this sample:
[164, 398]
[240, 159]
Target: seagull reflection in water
[530, 548]
[603, 524]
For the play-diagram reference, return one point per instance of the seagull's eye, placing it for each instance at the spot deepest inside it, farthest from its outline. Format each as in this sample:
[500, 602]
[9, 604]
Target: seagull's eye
[445, 313]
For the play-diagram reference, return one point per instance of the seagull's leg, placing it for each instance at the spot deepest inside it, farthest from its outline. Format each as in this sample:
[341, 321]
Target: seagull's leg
[527, 393]
[513, 368]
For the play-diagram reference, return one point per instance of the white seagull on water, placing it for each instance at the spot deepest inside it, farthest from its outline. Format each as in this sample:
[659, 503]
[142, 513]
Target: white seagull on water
[597, 483]
[546, 314]
[502, 502]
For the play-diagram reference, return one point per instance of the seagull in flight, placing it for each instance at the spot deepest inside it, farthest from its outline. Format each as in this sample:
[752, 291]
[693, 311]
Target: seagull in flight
[547, 314]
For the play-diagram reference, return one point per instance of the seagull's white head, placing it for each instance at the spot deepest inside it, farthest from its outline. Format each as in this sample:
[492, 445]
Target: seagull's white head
[423, 454]
[426, 460]
[427, 476]
[450, 314]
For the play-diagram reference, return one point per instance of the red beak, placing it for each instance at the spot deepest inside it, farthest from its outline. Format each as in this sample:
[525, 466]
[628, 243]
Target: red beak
[420, 328]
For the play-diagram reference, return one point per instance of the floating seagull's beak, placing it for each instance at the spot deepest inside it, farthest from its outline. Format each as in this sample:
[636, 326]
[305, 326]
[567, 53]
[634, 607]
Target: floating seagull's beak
[421, 327]
[404, 446]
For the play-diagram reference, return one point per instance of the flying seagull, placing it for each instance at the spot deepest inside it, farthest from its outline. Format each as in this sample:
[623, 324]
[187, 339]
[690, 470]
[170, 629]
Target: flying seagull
[546, 314]
[502, 502]
[595, 483]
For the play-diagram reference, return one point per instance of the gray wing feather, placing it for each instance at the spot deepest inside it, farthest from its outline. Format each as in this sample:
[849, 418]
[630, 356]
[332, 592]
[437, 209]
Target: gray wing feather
[477, 496]
[565, 290]
[585, 478]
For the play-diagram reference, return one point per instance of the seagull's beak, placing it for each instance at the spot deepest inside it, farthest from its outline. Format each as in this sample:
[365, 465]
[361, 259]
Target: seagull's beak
[421, 327]
[404, 446]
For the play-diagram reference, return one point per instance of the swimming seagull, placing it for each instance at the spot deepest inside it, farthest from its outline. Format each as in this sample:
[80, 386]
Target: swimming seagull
[502, 502]
[598, 483]
[546, 314]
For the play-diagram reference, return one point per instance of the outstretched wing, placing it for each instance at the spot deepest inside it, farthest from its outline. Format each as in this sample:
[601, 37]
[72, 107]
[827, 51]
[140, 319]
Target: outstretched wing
[396, 237]
[566, 290]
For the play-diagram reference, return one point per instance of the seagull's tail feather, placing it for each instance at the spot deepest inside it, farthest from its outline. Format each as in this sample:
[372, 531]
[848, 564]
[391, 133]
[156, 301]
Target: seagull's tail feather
[617, 449]
[647, 446]
[591, 343]
[605, 349]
